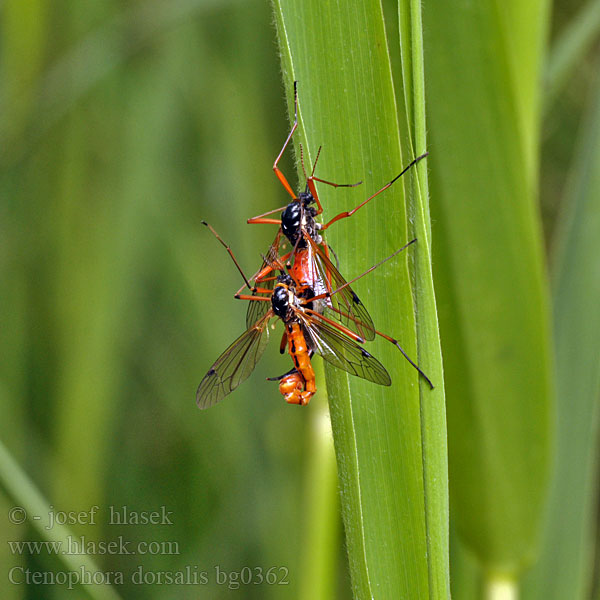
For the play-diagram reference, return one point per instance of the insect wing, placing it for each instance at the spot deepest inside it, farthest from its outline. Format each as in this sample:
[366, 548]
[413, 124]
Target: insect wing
[257, 310]
[342, 352]
[345, 306]
[234, 365]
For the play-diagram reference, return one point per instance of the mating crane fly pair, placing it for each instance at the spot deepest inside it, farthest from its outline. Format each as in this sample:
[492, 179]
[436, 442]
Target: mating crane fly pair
[320, 311]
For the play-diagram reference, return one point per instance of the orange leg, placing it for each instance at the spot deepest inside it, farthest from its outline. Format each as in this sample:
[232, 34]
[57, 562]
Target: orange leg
[335, 324]
[312, 178]
[327, 294]
[246, 282]
[349, 213]
[258, 220]
[278, 173]
[283, 343]
[270, 268]
[261, 276]
[310, 182]
[353, 335]
[243, 297]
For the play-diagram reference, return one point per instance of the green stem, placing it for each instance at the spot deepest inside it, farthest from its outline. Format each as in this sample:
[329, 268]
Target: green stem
[433, 416]
[420, 122]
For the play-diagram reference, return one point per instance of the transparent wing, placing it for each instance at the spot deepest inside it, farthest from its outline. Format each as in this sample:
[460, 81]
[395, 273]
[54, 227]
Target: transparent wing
[342, 352]
[257, 310]
[345, 306]
[235, 364]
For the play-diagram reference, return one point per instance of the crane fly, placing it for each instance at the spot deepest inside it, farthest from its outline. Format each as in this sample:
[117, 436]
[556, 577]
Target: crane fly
[309, 260]
[298, 224]
[298, 217]
[306, 331]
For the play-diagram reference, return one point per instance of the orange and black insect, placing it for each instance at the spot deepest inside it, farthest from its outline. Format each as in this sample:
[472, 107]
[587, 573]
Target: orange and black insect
[309, 260]
[317, 278]
[307, 331]
[298, 219]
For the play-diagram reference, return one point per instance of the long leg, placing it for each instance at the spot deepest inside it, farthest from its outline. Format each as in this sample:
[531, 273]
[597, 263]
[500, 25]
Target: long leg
[261, 276]
[259, 218]
[270, 263]
[354, 336]
[283, 343]
[329, 249]
[349, 213]
[251, 288]
[395, 342]
[256, 280]
[327, 271]
[278, 173]
[338, 326]
[310, 181]
[328, 294]
[246, 297]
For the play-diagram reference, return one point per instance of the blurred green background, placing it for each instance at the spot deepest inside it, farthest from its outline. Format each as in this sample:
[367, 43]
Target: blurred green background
[122, 126]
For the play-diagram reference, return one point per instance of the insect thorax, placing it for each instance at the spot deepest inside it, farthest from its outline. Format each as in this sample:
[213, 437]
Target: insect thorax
[283, 297]
[299, 216]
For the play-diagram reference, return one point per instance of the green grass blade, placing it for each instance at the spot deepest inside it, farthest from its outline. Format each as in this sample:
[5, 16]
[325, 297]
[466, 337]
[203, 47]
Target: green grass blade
[489, 273]
[520, 34]
[22, 491]
[565, 568]
[570, 48]
[347, 103]
[433, 410]
[322, 530]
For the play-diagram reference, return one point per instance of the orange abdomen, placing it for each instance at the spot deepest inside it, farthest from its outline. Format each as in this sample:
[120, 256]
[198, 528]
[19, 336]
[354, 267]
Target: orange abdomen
[291, 386]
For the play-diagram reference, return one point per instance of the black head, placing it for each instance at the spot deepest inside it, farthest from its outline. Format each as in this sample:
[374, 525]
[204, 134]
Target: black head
[306, 198]
[285, 279]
